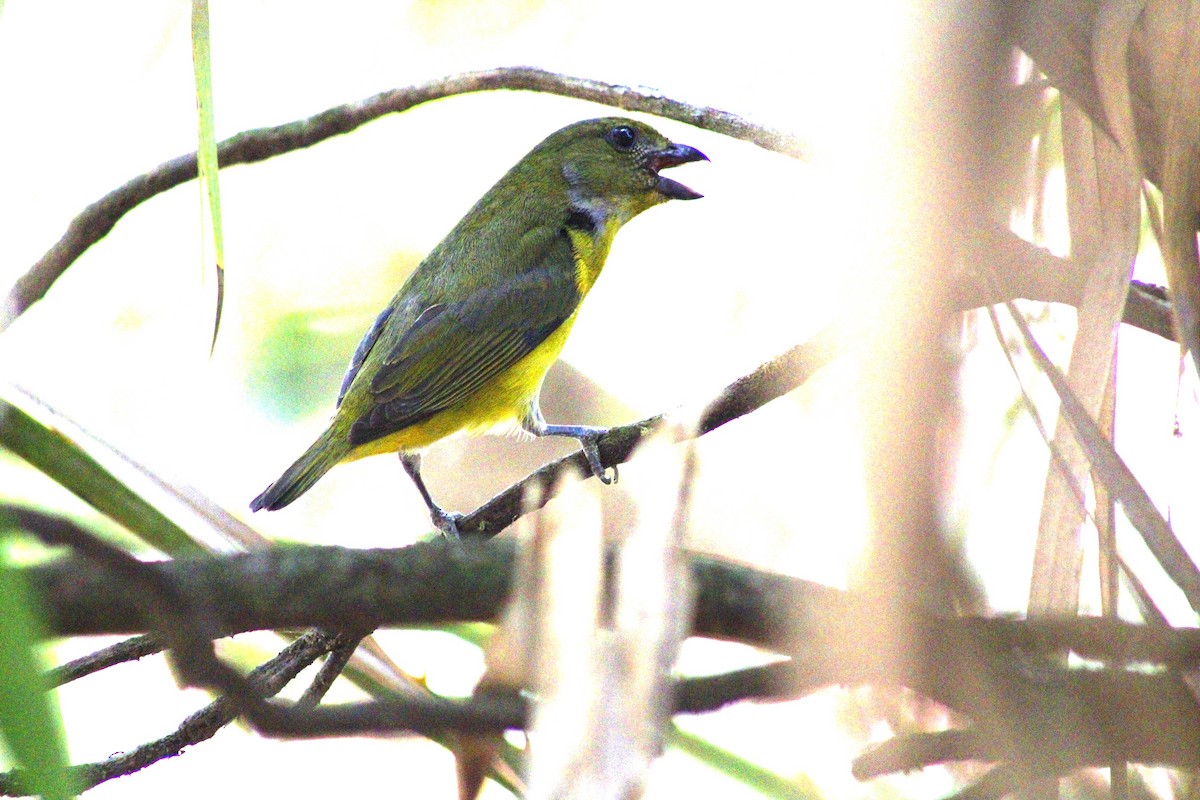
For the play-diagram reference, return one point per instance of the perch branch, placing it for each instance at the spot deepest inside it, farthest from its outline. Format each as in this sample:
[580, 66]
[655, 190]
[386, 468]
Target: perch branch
[768, 382]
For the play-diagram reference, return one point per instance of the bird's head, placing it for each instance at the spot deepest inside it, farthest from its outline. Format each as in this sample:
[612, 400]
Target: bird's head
[611, 167]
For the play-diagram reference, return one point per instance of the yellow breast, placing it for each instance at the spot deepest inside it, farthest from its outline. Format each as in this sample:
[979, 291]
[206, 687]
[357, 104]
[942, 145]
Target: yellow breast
[506, 398]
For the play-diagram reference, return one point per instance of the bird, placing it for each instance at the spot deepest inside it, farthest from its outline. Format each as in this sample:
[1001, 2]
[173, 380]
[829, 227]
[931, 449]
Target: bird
[464, 345]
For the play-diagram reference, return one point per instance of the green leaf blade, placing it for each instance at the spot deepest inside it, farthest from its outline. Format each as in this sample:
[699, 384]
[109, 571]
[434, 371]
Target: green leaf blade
[30, 723]
[66, 463]
[206, 151]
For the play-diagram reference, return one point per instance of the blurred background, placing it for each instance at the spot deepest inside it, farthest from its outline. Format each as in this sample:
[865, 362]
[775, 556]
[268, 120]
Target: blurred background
[694, 296]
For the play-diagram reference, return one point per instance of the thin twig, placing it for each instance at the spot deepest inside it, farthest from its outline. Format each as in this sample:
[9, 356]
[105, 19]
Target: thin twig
[339, 656]
[917, 750]
[427, 715]
[127, 650]
[268, 678]
[422, 714]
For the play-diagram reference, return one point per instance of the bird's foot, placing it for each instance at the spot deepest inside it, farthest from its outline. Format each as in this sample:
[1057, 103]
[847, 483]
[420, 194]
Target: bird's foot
[590, 442]
[446, 522]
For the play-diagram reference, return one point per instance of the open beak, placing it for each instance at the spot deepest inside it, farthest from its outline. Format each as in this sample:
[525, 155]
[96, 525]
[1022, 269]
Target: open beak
[672, 156]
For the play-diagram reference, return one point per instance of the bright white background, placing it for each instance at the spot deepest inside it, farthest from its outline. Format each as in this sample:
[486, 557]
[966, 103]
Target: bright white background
[695, 295]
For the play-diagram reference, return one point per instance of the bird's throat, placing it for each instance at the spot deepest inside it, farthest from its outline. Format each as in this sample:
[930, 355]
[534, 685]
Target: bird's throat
[590, 247]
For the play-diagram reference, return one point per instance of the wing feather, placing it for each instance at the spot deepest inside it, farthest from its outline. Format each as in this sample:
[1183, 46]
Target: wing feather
[455, 348]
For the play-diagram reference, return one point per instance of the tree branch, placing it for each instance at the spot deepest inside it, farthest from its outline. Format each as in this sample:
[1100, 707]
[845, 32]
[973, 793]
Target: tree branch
[431, 716]
[1025, 271]
[269, 678]
[427, 583]
[97, 220]
[1002, 266]
[127, 650]
[1027, 710]
[917, 750]
[991, 670]
[768, 382]
[343, 647]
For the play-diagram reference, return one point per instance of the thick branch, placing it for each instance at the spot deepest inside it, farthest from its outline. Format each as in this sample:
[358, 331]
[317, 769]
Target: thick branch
[1026, 710]
[441, 582]
[990, 670]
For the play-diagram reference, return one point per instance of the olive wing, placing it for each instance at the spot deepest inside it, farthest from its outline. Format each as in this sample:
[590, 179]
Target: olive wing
[454, 348]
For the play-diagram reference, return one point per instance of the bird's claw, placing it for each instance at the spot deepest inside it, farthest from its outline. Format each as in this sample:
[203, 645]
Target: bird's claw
[447, 523]
[591, 449]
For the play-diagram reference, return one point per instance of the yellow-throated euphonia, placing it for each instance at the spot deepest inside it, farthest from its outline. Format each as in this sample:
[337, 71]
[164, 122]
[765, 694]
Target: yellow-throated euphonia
[466, 342]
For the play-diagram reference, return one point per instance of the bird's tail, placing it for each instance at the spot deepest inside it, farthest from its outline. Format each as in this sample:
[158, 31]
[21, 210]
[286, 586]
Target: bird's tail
[325, 452]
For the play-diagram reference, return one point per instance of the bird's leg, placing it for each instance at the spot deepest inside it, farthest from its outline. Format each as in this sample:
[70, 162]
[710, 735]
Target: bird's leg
[588, 436]
[446, 521]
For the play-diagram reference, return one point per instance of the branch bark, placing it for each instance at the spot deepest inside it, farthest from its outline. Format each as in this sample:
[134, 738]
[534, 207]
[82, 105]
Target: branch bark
[269, 678]
[97, 220]
[996, 671]
[1017, 269]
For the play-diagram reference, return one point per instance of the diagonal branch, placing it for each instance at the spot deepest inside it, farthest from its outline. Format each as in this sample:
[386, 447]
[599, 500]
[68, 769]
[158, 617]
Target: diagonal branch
[917, 750]
[126, 650]
[1024, 270]
[268, 678]
[770, 381]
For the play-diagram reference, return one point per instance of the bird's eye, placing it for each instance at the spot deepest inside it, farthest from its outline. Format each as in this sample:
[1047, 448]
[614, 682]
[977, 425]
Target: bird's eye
[622, 137]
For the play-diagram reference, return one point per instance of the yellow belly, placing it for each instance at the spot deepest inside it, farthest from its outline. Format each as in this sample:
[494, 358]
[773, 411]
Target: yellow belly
[503, 400]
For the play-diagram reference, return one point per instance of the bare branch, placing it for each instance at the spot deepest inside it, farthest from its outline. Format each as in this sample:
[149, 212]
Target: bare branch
[348, 589]
[97, 220]
[344, 645]
[269, 678]
[127, 650]
[1050, 279]
[770, 381]
[775, 681]
[989, 669]
[974, 665]
[917, 750]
